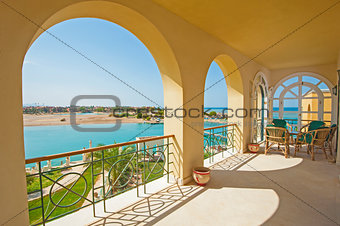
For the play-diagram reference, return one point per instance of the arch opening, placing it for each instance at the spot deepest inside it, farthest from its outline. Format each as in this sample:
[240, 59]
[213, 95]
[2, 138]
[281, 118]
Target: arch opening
[153, 40]
[147, 33]
[303, 97]
[143, 30]
[232, 104]
[259, 107]
[53, 76]
[216, 98]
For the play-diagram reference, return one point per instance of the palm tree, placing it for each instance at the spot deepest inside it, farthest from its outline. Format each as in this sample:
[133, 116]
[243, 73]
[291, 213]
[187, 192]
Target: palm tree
[119, 166]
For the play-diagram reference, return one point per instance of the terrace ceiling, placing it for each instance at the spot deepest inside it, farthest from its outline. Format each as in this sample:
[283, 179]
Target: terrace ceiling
[251, 26]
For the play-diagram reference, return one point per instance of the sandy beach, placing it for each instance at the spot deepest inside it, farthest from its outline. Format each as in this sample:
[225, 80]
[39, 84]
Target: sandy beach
[57, 119]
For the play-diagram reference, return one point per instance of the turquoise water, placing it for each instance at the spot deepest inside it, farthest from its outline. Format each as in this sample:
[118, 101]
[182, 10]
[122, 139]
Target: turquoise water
[49, 140]
[288, 113]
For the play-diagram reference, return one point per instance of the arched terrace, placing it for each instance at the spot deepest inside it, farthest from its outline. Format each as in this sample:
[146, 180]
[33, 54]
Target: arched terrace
[183, 51]
[14, 160]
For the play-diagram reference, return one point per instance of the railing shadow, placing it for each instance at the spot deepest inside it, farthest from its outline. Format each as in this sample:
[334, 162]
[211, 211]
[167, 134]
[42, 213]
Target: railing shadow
[157, 206]
[227, 175]
[153, 208]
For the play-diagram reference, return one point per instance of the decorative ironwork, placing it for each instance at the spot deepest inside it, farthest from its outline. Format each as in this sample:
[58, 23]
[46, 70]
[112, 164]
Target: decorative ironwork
[258, 130]
[218, 140]
[124, 175]
[69, 187]
[67, 190]
[107, 171]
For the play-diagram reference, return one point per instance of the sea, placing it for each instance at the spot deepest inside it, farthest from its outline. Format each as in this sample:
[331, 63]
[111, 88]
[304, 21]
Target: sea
[48, 140]
[290, 113]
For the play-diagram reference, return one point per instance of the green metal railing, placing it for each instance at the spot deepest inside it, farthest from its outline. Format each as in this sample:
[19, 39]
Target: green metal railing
[219, 139]
[103, 173]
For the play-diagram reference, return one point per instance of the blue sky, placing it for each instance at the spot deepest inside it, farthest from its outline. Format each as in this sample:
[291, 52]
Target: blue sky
[53, 74]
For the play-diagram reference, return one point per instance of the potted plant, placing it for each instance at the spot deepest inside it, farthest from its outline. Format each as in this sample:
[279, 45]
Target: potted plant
[201, 175]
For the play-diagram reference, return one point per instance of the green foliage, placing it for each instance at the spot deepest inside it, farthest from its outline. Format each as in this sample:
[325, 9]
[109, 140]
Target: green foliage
[33, 182]
[29, 180]
[123, 115]
[82, 109]
[212, 113]
[35, 215]
[116, 161]
[100, 109]
[157, 171]
[206, 155]
[139, 115]
[119, 159]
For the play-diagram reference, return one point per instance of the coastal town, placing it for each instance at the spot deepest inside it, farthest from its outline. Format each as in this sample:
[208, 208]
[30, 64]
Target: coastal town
[57, 115]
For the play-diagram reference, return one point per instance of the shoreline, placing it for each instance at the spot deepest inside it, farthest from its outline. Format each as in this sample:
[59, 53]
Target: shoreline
[61, 120]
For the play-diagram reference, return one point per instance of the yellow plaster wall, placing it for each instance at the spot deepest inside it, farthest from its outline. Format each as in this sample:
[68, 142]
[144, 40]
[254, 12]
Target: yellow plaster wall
[338, 148]
[312, 105]
[252, 26]
[183, 54]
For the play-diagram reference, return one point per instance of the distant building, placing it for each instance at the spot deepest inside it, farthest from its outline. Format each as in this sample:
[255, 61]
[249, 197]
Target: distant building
[310, 103]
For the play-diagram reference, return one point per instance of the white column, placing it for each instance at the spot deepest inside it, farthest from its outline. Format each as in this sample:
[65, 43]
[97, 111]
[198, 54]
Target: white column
[68, 161]
[49, 165]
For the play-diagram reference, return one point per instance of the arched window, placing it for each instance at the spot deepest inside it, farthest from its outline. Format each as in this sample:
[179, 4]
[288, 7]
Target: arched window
[303, 97]
[259, 110]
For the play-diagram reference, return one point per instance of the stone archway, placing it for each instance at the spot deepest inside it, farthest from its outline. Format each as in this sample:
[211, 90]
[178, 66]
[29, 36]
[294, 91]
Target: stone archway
[23, 33]
[235, 96]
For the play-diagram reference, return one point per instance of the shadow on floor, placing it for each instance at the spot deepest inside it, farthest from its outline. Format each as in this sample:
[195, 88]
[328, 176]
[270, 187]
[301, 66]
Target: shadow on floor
[306, 191]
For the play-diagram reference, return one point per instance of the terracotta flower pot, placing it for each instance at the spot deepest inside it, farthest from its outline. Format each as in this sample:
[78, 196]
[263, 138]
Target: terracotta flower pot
[201, 175]
[253, 147]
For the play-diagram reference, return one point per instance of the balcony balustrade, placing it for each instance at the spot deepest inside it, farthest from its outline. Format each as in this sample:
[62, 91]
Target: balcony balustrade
[103, 172]
[55, 190]
[219, 139]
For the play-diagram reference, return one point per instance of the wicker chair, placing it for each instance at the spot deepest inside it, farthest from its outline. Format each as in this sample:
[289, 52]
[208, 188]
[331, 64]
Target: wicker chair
[313, 139]
[313, 125]
[329, 140]
[302, 138]
[279, 136]
[282, 123]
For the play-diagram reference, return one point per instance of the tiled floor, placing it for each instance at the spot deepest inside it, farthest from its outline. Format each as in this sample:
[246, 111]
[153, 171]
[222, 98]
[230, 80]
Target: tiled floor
[246, 189]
